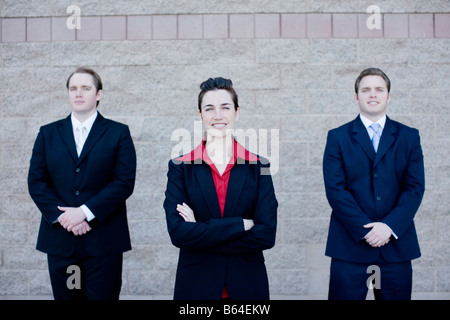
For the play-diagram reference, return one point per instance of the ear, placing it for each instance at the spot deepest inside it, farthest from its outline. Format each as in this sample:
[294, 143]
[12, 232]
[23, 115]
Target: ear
[99, 94]
[389, 97]
[356, 97]
[236, 118]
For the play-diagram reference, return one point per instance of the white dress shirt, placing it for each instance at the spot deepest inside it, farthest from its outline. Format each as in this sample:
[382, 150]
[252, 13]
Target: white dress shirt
[367, 123]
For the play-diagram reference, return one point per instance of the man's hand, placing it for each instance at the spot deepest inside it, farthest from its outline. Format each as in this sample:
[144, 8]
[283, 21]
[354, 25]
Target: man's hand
[71, 217]
[81, 228]
[379, 235]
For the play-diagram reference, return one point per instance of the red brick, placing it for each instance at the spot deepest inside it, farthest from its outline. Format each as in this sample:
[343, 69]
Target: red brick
[13, 29]
[139, 27]
[293, 25]
[318, 25]
[421, 25]
[190, 26]
[60, 32]
[442, 25]
[164, 27]
[114, 28]
[396, 26]
[38, 29]
[215, 26]
[345, 25]
[267, 26]
[364, 31]
[90, 29]
[242, 26]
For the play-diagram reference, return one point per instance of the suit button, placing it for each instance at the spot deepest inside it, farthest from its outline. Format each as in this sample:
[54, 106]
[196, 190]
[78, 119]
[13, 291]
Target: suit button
[77, 170]
[77, 193]
[378, 198]
[376, 175]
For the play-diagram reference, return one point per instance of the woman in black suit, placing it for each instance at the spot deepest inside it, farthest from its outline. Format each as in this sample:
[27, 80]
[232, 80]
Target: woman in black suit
[221, 208]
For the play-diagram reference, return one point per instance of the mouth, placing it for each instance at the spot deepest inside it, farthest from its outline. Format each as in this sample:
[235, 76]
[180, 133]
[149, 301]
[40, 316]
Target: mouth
[218, 125]
[373, 103]
[79, 102]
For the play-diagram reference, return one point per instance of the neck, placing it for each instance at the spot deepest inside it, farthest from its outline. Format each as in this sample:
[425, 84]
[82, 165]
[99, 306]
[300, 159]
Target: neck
[220, 149]
[373, 117]
[82, 117]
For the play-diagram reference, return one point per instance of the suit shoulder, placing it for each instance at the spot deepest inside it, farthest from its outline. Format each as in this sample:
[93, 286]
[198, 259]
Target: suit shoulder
[342, 128]
[404, 128]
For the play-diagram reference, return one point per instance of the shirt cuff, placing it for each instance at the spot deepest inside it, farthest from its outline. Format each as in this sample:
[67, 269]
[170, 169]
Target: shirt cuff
[393, 233]
[87, 212]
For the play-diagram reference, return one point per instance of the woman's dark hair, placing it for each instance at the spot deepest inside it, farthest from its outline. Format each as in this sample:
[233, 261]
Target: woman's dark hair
[372, 72]
[218, 83]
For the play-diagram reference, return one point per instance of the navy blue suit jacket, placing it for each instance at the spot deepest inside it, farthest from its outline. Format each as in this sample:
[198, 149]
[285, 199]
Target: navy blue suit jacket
[102, 178]
[215, 251]
[363, 186]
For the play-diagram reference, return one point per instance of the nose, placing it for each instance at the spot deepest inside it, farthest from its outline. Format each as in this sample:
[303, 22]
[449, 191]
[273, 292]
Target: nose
[373, 93]
[217, 114]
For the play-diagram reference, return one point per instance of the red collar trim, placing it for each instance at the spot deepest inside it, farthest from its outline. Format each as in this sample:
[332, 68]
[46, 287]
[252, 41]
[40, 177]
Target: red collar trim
[200, 153]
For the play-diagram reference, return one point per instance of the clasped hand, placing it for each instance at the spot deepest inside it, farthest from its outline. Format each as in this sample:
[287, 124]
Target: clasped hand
[73, 220]
[188, 216]
[379, 235]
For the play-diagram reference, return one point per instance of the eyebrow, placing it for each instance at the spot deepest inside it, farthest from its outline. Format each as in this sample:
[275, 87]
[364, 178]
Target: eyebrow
[222, 104]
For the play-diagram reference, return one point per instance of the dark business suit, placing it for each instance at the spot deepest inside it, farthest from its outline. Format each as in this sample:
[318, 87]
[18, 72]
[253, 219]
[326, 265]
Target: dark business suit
[215, 251]
[102, 178]
[363, 186]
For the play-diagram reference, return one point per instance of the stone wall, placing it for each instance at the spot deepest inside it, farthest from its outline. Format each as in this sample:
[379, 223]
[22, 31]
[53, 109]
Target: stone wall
[293, 64]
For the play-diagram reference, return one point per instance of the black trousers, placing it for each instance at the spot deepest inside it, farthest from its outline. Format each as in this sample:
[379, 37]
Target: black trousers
[83, 277]
[390, 281]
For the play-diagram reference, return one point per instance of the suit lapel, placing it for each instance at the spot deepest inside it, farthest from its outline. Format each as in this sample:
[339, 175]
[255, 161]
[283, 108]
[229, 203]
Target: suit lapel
[387, 139]
[206, 182]
[66, 132]
[98, 129]
[361, 135]
[238, 175]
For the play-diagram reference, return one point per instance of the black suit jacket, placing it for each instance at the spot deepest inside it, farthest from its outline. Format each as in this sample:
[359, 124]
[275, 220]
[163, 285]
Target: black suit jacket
[102, 178]
[363, 186]
[216, 251]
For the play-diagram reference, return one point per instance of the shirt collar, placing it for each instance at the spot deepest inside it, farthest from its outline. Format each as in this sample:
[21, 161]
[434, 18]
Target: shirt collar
[88, 123]
[367, 122]
[200, 153]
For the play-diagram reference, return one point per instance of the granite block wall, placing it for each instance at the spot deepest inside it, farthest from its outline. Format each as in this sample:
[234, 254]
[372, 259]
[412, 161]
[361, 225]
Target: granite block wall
[293, 63]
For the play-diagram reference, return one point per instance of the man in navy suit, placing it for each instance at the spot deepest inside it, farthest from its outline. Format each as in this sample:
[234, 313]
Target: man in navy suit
[374, 180]
[82, 170]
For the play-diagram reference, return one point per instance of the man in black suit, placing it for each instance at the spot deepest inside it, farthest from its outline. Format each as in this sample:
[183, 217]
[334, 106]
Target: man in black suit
[374, 180]
[82, 170]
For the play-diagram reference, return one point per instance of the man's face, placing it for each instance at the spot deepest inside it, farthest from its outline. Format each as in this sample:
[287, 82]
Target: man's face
[82, 94]
[372, 97]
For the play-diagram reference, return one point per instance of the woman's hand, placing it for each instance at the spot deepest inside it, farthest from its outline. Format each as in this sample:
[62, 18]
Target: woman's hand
[186, 212]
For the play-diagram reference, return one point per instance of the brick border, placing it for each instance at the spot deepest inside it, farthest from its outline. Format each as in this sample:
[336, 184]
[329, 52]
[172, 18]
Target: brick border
[225, 26]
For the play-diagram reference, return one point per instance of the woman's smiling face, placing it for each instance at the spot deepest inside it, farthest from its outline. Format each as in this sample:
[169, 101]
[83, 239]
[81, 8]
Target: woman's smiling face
[218, 112]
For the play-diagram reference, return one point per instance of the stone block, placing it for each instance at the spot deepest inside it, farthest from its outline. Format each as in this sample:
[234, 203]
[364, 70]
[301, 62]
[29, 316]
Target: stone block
[280, 51]
[293, 25]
